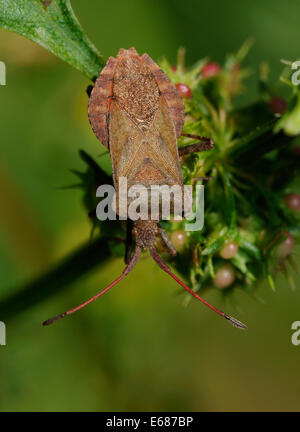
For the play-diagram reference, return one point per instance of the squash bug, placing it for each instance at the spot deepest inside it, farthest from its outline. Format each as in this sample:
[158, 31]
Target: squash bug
[138, 114]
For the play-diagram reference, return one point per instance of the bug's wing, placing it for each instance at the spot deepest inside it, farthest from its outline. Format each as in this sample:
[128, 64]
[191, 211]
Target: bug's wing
[169, 92]
[100, 100]
[162, 144]
[144, 156]
[125, 140]
[148, 156]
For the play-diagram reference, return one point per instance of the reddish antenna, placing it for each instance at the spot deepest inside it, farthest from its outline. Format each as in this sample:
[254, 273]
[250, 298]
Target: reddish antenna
[164, 267]
[125, 272]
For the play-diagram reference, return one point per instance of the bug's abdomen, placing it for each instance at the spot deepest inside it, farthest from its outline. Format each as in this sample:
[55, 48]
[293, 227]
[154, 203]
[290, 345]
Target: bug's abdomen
[100, 100]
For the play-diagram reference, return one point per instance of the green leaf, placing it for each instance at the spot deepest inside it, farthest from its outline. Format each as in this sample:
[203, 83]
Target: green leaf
[240, 261]
[215, 246]
[211, 267]
[229, 208]
[249, 150]
[271, 282]
[251, 248]
[290, 121]
[53, 25]
[254, 139]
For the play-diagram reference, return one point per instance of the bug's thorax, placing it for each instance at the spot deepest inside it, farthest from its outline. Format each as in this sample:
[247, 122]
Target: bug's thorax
[135, 89]
[145, 232]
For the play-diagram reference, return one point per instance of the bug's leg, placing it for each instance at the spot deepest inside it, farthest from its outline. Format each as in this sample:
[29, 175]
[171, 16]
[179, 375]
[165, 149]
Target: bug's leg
[203, 145]
[167, 241]
[89, 89]
[128, 249]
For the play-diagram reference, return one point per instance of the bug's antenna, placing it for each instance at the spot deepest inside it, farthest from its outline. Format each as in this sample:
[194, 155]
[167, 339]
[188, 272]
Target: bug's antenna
[164, 267]
[128, 268]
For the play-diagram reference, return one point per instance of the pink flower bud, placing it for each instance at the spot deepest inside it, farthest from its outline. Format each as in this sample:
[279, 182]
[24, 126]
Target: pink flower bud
[210, 69]
[184, 90]
[224, 276]
[292, 201]
[229, 250]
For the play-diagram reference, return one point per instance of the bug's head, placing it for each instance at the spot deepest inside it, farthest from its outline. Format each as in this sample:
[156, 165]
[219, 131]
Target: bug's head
[145, 232]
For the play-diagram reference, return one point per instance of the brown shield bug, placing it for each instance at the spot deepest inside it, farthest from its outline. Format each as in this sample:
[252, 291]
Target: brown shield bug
[138, 114]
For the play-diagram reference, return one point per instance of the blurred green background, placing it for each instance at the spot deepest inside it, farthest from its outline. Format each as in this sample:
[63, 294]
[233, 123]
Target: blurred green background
[137, 348]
